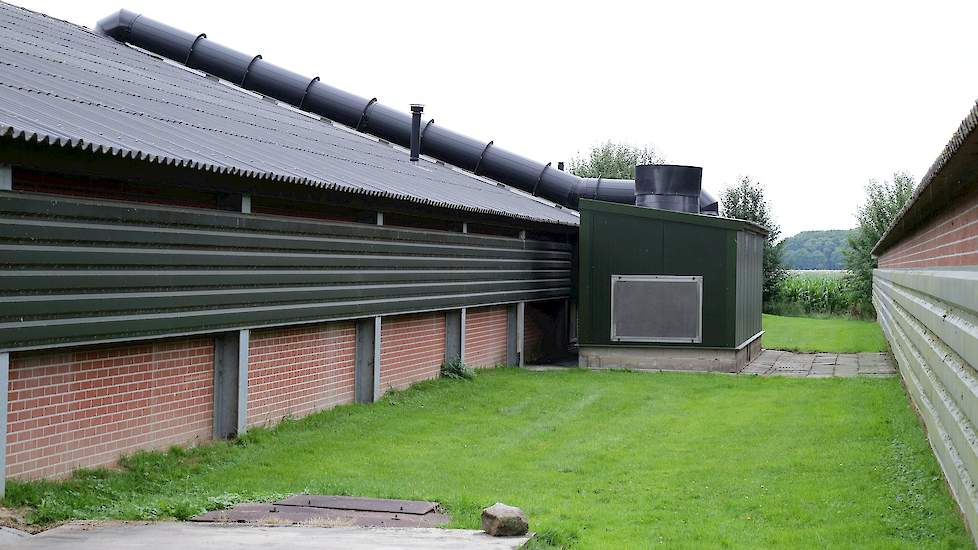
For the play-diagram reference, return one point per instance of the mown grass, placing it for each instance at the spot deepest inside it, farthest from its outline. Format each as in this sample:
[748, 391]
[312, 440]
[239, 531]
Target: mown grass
[807, 334]
[596, 459]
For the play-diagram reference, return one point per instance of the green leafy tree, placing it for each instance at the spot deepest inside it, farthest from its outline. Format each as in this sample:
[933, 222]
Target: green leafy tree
[884, 200]
[614, 160]
[746, 201]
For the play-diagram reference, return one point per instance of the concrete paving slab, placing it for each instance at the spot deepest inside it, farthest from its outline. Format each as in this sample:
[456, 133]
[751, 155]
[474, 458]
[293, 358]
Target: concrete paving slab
[11, 537]
[812, 365]
[820, 365]
[197, 536]
[846, 371]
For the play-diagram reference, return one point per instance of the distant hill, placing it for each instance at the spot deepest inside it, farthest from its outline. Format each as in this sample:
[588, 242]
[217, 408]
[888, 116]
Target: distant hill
[816, 249]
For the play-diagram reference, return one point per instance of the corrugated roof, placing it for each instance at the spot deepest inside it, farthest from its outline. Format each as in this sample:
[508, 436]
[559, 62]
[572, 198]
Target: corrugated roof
[938, 185]
[65, 85]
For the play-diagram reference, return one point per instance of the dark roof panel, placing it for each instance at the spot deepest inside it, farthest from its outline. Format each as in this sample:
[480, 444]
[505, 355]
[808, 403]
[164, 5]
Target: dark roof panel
[64, 84]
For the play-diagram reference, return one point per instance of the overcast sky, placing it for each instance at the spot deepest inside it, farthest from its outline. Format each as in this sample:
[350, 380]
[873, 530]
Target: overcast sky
[811, 101]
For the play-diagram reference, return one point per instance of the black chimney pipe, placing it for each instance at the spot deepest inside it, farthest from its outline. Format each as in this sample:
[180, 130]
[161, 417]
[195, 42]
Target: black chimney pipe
[251, 72]
[416, 110]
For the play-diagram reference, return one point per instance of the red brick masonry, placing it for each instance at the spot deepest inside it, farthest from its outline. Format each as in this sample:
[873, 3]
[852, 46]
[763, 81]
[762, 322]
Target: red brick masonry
[949, 239]
[412, 348]
[86, 406]
[485, 336]
[295, 371]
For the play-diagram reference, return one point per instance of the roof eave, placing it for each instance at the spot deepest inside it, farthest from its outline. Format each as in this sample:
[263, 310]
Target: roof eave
[940, 184]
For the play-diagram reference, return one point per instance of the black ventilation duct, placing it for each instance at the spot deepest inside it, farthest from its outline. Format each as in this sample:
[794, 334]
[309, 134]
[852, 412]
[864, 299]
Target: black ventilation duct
[668, 187]
[254, 73]
[708, 205]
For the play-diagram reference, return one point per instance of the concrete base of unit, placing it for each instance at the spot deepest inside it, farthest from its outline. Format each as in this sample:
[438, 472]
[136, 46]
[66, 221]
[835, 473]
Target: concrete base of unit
[669, 358]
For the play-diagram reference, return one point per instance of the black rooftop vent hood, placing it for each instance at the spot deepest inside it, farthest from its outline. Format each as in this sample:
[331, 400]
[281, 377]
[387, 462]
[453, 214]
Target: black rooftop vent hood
[367, 115]
[668, 187]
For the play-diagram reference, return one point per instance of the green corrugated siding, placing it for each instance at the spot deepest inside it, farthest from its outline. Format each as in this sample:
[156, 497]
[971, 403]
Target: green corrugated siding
[627, 240]
[79, 271]
[750, 274]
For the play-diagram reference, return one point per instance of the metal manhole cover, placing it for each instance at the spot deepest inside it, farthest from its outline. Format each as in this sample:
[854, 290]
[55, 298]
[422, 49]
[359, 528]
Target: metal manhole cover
[332, 511]
[361, 503]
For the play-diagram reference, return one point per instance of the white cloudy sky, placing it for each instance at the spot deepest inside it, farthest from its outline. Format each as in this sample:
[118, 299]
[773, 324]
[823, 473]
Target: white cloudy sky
[812, 100]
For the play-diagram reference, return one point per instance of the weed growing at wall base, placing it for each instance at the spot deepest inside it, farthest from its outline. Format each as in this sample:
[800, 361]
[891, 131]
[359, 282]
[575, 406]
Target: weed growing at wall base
[456, 369]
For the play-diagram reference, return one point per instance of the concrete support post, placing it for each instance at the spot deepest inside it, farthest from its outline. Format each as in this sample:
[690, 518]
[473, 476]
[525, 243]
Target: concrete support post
[512, 335]
[231, 384]
[6, 178]
[521, 330]
[455, 335]
[367, 360]
[378, 391]
[244, 342]
[4, 393]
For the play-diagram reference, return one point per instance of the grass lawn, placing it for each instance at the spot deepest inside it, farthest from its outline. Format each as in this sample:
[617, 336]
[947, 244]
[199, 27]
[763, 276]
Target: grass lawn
[829, 335]
[596, 459]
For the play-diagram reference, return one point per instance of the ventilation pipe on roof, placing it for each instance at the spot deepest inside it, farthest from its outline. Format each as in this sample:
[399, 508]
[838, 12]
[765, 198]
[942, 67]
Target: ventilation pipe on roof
[668, 187]
[416, 110]
[708, 205]
[367, 115]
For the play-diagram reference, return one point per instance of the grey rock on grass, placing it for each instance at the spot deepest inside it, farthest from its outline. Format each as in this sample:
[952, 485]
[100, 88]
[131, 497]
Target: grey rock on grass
[500, 520]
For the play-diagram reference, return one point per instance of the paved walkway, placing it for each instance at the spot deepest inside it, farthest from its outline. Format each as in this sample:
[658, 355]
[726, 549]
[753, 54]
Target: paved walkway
[191, 536]
[820, 365]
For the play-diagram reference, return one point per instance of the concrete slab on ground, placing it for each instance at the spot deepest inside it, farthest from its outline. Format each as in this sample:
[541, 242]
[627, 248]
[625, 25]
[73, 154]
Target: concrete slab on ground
[197, 536]
[12, 537]
[820, 365]
[806, 365]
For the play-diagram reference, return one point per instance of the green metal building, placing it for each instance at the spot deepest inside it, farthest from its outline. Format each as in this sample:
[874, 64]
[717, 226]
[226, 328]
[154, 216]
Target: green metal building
[664, 290]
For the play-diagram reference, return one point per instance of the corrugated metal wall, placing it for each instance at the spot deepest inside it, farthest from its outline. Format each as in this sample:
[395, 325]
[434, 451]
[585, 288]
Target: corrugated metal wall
[930, 317]
[78, 271]
[750, 282]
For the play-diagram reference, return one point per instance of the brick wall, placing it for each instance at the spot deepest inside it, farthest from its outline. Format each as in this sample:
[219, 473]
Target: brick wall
[295, 371]
[412, 348]
[86, 406]
[949, 239]
[485, 336]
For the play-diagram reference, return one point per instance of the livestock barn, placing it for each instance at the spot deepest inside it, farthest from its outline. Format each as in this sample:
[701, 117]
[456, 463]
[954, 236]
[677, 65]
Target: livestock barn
[926, 296]
[196, 241]
[184, 258]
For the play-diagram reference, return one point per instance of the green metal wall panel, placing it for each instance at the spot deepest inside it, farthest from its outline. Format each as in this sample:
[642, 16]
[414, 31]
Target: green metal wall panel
[80, 271]
[621, 239]
[750, 274]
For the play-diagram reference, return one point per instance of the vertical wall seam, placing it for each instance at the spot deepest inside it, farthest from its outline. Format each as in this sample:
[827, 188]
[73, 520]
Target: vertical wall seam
[4, 402]
[244, 340]
[378, 391]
